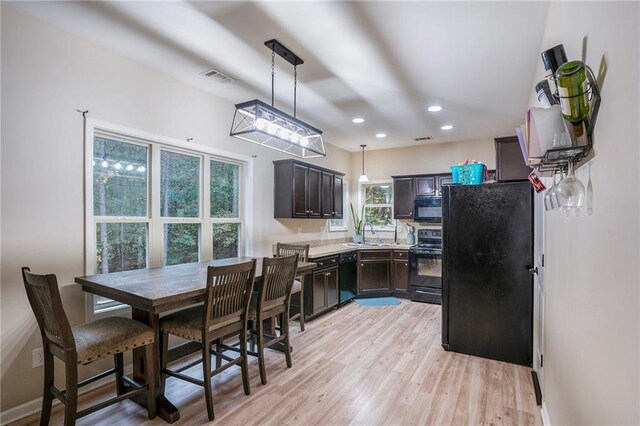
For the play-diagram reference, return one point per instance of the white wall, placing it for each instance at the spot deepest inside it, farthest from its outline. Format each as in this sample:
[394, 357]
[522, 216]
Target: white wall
[429, 158]
[592, 323]
[380, 165]
[46, 74]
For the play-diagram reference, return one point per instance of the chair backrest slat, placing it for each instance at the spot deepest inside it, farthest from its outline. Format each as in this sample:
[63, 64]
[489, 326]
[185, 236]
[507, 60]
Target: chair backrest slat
[277, 279]
[291, 249]
[229, 291]
[46, 304]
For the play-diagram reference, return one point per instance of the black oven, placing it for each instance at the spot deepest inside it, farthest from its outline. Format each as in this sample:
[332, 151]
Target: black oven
[425, 267]
[428, 209]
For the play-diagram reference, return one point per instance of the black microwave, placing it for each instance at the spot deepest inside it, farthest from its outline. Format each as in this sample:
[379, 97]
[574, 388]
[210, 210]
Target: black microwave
[428, 209]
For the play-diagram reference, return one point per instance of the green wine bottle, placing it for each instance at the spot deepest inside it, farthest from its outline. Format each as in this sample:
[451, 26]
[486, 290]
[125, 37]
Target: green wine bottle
[571, 79]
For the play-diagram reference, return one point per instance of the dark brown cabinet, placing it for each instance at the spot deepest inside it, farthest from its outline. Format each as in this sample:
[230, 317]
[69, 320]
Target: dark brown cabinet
[327, 195]
[315, 193]
[332, 193]
[403, 197]
[407, 188]
[425, 185]
[510, 164]
[302, 190]
[400, 271]
[321, 287]
[338, 197]
[444, 180]
[374, 272]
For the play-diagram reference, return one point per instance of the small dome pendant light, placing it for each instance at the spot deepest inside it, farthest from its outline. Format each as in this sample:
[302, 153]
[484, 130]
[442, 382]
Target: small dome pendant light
[363, 177]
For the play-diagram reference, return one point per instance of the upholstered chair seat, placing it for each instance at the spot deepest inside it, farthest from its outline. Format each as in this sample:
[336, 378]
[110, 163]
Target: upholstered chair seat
[109, 336]
[187, 323]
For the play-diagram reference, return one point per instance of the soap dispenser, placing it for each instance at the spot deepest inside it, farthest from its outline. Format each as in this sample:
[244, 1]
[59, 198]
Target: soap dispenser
[411, 236]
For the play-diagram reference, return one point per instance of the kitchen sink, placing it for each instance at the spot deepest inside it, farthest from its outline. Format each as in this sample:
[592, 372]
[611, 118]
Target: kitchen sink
[369, 244]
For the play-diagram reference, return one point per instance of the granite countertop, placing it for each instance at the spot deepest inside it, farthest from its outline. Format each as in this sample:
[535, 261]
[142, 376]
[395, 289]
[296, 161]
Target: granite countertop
[330, 249]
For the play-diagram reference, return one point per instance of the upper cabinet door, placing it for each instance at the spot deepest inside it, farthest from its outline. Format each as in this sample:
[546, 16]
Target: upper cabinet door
[315, 193]
[425, 185]
[338, 196]
[327, 195]
[443, 180]
[403, 197]
[300, 183]
[510, 164]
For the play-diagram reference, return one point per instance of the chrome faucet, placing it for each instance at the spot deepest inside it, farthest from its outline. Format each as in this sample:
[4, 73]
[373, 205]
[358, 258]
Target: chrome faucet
[364, 232]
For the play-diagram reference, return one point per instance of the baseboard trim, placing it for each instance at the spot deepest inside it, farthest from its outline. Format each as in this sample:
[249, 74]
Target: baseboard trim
[546, 421]
[536, 388]
[31, 407]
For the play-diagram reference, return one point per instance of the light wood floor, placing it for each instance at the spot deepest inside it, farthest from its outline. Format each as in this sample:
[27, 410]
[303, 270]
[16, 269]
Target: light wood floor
[356, 365]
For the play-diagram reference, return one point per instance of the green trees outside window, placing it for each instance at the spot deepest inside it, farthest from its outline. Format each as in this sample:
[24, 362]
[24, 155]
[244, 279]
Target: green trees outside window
[121, 176]
[378, 204]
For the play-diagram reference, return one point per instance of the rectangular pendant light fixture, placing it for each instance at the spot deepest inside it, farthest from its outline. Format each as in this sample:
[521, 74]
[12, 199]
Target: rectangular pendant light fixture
[263, 124]
[257, 122]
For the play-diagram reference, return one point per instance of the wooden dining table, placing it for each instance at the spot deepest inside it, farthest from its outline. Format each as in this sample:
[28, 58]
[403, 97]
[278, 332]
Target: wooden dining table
[153, 291]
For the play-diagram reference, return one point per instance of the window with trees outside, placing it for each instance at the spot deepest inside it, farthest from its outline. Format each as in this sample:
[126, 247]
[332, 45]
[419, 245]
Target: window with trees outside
[157, 205]
[377, 200]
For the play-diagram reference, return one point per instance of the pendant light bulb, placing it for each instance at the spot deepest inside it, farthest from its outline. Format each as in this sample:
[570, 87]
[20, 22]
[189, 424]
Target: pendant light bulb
[363, 177]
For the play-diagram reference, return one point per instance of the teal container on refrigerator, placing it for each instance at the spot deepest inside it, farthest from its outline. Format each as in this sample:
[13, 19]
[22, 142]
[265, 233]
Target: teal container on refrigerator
[468, 174]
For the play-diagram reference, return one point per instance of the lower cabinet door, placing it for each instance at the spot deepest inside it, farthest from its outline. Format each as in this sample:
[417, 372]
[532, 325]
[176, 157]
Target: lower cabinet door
[332, 287]
[401, 275]
[375, 276]
[319, 293]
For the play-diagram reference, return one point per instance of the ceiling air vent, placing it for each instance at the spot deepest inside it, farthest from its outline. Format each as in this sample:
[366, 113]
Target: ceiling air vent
[218, 76]
[422, 138]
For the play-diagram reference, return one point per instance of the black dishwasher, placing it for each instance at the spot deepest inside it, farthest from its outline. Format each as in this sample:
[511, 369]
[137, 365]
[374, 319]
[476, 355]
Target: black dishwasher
[348, 276]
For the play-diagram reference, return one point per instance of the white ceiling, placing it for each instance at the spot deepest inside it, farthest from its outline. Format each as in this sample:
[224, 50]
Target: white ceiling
[383, 61]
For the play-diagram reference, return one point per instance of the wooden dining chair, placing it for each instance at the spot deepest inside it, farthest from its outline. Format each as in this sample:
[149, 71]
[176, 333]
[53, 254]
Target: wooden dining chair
[84, 344]
[223, 315]
[298, 284]
[273, 299]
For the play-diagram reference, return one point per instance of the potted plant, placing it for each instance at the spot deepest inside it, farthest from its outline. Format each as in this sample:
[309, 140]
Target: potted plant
[357, 224]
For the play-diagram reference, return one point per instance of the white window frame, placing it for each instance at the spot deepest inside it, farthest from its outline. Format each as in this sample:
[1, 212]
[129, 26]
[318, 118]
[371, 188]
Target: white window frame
[171, 220]
[346, 212]
[361, 203]
[156, 143]
[243, 213]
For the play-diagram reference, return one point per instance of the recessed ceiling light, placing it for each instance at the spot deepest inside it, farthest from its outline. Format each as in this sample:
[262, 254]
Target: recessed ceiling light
[358, 120]
[434, 108]
[381, 135]
[447, 127]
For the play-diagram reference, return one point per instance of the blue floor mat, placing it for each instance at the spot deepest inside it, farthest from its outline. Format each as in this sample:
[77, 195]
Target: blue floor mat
[378, 301]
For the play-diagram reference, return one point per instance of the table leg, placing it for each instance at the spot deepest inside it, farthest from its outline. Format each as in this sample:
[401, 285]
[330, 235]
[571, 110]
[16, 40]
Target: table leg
[166, 410]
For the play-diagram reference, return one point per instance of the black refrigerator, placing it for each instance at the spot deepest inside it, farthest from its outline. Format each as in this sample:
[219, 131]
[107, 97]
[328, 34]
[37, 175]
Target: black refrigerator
[487, 290]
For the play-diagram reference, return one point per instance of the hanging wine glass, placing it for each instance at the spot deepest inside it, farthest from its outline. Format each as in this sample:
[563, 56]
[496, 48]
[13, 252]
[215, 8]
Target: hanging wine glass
[550, 199]
[570, 191]
[555, 200]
